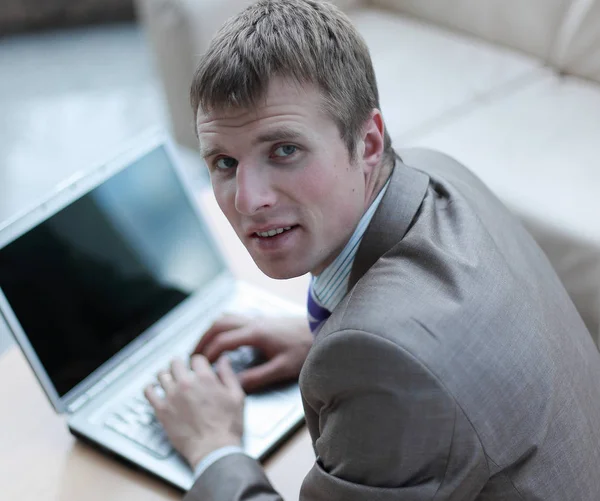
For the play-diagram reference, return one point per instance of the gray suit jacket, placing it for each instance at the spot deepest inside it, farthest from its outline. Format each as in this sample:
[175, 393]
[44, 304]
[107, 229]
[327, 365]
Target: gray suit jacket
[456, 368]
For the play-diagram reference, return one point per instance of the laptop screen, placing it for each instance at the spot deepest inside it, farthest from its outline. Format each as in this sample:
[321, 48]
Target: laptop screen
[93, 277]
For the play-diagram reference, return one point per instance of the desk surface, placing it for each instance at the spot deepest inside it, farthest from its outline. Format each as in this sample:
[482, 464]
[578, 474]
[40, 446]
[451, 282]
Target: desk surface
[40, 460]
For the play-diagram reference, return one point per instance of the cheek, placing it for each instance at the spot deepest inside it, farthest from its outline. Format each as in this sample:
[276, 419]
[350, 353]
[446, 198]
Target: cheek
[317, 182]
[337, 194]
[225, 197]
[340, 186]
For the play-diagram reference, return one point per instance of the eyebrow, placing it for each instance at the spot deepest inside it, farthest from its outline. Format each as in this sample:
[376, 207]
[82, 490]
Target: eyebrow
[281, 134]
[206, 152]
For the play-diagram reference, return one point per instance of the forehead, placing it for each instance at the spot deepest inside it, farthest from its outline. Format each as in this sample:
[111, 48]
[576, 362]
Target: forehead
[284, 105]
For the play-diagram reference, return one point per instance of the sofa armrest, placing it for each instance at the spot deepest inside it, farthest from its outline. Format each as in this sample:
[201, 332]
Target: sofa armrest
[179, 32]
[577, 44]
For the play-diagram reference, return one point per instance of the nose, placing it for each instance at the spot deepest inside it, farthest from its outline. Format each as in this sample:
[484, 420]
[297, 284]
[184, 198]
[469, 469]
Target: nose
[254, 190]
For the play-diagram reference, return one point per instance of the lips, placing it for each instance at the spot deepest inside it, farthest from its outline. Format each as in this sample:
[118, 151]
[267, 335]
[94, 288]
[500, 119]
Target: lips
[270, 231]
[278, 245]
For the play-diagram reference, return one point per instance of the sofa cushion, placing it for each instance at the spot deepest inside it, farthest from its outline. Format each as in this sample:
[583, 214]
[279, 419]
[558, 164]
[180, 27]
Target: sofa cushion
[425, 72]
[537, 148]
[529, 26]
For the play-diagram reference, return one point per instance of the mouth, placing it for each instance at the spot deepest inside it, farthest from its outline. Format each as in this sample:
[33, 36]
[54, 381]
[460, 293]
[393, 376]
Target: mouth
[274, 232]
[275, 240]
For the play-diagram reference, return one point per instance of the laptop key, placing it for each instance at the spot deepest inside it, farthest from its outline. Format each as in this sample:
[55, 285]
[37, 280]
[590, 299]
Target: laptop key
[117, 424]
[161, 445]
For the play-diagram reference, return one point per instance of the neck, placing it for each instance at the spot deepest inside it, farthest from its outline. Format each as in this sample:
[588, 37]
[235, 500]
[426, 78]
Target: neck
[377, 182]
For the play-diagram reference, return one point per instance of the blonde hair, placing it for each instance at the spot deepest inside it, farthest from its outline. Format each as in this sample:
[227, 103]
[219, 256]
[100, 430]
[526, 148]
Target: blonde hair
[307, 41]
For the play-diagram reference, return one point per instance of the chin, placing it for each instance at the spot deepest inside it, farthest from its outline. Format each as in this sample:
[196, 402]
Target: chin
[281, 272]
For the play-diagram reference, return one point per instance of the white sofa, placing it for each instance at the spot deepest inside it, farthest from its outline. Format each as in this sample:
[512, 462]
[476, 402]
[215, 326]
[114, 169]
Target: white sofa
[511, 88]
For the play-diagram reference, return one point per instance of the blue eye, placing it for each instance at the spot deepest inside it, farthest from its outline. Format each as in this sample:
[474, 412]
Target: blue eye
[226, 163]
[285, 151]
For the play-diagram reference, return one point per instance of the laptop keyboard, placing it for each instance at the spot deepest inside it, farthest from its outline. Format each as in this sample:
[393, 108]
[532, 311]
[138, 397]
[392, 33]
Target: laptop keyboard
[134, 418]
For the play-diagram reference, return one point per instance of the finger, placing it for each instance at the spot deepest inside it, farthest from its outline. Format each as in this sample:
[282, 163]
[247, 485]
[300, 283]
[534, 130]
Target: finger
[179, 371]
[152, 396]
[201, 366]
[165, 379]
[226, 322]
[258, 377]
[232, 340]
[228, 377]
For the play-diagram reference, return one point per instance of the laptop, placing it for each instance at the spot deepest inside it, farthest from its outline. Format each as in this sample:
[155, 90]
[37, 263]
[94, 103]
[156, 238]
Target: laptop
[108, 280]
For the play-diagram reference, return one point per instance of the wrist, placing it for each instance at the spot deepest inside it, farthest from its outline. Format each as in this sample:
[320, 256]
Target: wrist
[195, 455]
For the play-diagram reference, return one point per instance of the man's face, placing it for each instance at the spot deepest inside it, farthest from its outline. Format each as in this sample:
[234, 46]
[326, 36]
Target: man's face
[283, 178]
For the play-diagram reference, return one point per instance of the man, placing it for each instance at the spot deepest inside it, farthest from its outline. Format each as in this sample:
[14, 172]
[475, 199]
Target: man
[448, 361]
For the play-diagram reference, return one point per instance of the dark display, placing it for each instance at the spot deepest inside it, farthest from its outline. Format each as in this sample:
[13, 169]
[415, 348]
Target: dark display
[93, 277]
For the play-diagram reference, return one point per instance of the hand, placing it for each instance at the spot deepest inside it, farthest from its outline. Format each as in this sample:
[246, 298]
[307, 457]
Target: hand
[284, 342]
[201, 411]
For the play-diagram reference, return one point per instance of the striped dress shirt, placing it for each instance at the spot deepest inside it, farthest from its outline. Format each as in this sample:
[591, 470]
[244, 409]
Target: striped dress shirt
[330, 287]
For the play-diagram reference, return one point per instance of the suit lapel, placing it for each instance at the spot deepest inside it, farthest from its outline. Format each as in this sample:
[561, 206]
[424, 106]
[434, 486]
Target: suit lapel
[392, 219]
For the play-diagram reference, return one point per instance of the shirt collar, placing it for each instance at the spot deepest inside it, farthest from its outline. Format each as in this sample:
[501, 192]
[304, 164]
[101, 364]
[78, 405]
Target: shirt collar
[331, 285]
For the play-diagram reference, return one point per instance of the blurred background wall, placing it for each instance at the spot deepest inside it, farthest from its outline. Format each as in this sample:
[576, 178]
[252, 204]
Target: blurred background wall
[29, 15]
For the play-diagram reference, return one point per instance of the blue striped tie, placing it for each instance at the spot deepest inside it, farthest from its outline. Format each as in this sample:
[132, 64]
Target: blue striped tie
[316, 313]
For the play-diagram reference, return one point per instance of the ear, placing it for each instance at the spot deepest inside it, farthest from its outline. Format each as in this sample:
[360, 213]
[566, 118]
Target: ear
[371, 146]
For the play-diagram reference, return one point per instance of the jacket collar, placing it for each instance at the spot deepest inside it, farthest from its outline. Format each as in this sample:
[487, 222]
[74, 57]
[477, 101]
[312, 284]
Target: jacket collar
[392, 219]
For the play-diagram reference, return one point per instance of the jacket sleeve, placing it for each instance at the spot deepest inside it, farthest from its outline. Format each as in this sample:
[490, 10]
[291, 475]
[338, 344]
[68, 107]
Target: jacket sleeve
[235, 477]
[387, 429]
